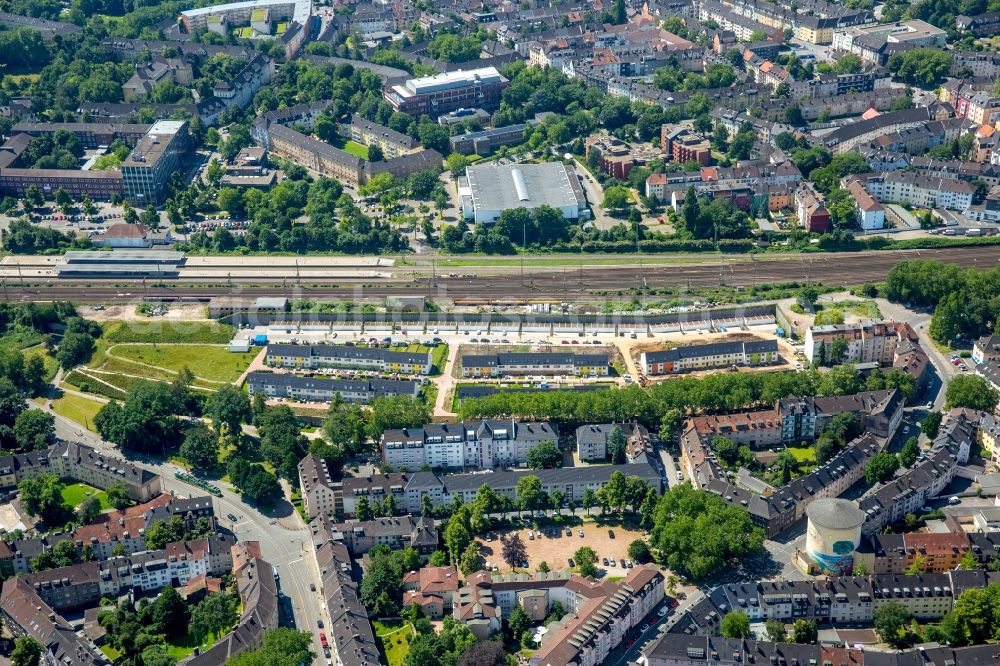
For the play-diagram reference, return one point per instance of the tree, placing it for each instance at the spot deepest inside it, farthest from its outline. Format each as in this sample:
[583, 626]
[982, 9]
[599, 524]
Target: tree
[157, 655]
[838, 351]
[616, 445]
[529, 491]
[775, 630]
[518, 622]
[735, 625]
[881, 467]
[483, 653]
[804, 632]
[254, 483]
[931, 424]
[543, 567]
[638, 551]
[697, 533]
[146, 421]
[910, 451]
[215, 171]
[457, 164]
[34, 429]
[75, 348]
[396, 413]
[27, 652]
[89, 509]
[363, 510]
[170, 613]
[616, 198]
[230, 406]
[34, 375]
[807, 297]
[586, 560]
[923, 67]
[891, 620]
[118, 496]
[200, 449]
[545, 456]
[281, 646]
[457, 534]
[512, 550]
[970, 391]
[471, 561]
[128, 214]
[589, 499]
[438, 558]
[42, 496]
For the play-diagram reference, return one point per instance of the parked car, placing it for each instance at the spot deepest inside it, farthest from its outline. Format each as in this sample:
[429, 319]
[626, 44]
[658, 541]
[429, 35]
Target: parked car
[611, 534]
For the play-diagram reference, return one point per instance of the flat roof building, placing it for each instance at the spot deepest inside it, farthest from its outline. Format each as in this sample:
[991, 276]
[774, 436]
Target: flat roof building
[155, 156]
[442, 93]
[489, 189]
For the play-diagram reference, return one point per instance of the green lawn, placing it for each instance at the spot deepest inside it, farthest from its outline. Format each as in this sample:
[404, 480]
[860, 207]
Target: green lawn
[804, 454]
[77, 409]
[184, 646]
[111, 653]
[73, 495]
[51, 364]
[395, 640]
[164, 332]
[356, 149]
[209, 362]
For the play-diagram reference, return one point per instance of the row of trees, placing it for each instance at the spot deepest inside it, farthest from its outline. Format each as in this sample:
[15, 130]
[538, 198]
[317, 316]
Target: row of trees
[966, 301]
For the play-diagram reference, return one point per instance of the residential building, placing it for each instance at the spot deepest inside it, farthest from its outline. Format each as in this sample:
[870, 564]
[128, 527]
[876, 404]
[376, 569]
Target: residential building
[350, 630]
[534, 363]
[370, 133]
[916, 189]
[319, 389]
[487, 190]
[867, 342]
[592, 441]
[683, 144]
[712, 355]
[986, 349]
[397, 533]
[853, 135]
[875, 42]
[434, 589]
[320, 494]
[778, 511]
[684, 649]
[314, 154]
[260, 610]
[810, 210]
[573, 481]
[932, 552]
[26, 614]
[981, 25]
[473, 444]
[342, 356]
[870, 213]
[255, 12]
[441, 93]
[80, 463]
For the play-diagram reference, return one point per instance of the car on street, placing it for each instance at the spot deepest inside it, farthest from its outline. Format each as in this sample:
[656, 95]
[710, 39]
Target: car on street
[319, 623]
[662, 611]
[312, 587]
[231, 517]
[571, 564]
[644, 628]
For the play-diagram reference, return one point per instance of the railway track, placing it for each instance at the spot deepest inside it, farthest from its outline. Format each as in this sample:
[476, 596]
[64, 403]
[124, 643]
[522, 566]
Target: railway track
[565, 283]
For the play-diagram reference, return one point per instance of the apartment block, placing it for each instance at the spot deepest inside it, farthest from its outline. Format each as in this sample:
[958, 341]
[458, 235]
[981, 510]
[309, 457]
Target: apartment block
[714, 355]
[369, 133]
[573, 481]
[319, 389]
[477, 444]
[592, 441]
[534, 363]
[341, 356]
[397, 532]
[75, 461]
[867, 342]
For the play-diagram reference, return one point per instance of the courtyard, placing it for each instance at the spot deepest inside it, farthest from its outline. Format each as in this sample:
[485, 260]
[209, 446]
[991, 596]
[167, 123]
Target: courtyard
[552, 545]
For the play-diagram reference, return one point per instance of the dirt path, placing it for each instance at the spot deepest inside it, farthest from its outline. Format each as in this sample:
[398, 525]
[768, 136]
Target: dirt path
[446, 384]
[109, 354]
[256, 364]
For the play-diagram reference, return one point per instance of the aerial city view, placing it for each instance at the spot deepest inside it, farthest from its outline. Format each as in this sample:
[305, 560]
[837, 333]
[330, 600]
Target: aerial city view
[286, 381]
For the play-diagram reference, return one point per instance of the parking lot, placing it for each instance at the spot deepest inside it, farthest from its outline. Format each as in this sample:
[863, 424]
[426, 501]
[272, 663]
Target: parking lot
[555, 547]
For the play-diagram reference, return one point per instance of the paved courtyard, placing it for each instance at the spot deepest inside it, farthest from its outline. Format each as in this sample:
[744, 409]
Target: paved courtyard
[555, 548]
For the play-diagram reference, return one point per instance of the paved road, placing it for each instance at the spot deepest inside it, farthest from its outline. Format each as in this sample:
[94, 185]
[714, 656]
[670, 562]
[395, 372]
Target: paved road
[284, 540]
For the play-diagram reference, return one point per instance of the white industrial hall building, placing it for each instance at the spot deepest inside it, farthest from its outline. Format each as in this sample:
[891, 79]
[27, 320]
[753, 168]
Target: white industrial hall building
[489, 189]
